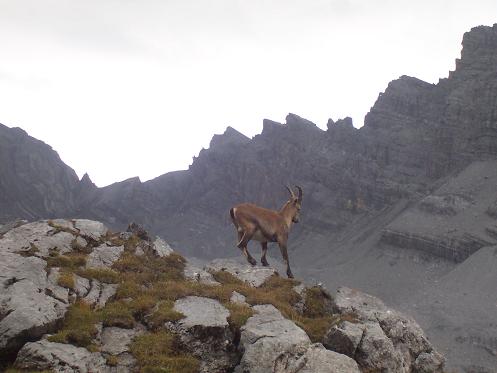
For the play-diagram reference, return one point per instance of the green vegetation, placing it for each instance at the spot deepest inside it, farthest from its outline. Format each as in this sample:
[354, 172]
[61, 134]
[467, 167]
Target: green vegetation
[66, 279]
[117, 314]
[71, 261]
[239, 314]
[161, 352]
[112, 360]
[101, 274]
[163, 314]
[79, 326]
[147, 289]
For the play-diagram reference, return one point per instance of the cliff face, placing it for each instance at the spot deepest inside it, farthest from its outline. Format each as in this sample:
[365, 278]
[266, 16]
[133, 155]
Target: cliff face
[34, 182]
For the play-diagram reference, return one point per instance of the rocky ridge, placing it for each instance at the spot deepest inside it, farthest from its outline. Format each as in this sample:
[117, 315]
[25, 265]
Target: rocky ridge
[49, 322]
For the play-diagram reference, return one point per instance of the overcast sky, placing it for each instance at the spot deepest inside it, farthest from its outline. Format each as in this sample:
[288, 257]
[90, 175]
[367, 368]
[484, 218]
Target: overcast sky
[124, 88]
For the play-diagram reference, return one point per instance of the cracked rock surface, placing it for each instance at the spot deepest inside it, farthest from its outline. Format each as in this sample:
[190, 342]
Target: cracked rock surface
[254, 276]
[381, 339]
[59, 357]
[274, 344]
[206, 333]
[32, 303]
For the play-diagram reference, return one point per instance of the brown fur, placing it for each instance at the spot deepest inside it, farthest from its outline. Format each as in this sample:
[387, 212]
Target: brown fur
[258, 223]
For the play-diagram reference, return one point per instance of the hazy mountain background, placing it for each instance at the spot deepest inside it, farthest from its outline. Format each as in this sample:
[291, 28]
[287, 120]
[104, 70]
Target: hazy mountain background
[404, 207]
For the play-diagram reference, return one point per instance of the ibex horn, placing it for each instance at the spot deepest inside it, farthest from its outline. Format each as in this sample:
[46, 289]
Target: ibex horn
[300, 192]
[291, 191]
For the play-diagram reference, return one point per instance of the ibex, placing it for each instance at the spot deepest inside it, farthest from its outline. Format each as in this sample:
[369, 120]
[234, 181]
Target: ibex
[257, 223]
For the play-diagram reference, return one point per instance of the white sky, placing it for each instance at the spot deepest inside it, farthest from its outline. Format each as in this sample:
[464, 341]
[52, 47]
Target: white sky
[124, 88]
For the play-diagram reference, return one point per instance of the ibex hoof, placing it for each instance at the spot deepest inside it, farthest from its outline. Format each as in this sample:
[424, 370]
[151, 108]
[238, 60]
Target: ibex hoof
[265, 263]
[289, 274]
[252, 261]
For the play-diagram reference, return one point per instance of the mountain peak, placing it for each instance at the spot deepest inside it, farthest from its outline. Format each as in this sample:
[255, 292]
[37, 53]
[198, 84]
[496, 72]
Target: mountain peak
[479, 50]
[295, 121]
[229, 136]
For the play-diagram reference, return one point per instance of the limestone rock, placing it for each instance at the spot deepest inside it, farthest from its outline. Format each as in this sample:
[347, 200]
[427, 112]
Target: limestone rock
[107, 291]
[91, 229]
[201, 311]
[254, 276]
[104, 256]
[266, 336]
[115, 341]
[355, 302]
[139, 231]
[39, 235]
[238, 298]
[198, 274]
[29, 307]
[344, 338]
[382, 339]
[206, 333]
[4, 228]
[428, 362]
[161, 248]
[81, 286]
[59, 357]
[99, 293]
[377, 352]
[316, 359]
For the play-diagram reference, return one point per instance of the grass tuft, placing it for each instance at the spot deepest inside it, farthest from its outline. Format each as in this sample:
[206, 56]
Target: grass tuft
[239, 314]
[163, 313]
[79, 326]
[317, 302]
[101, 274]
[118, 314]
[66, 279]
[112, 360]
[70, 261]
[161, 352]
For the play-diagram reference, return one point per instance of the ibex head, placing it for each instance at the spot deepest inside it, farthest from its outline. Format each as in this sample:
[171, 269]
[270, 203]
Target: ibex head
[295, 203]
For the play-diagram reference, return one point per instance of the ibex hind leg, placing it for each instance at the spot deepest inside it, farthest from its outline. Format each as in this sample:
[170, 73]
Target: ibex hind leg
[242, 245]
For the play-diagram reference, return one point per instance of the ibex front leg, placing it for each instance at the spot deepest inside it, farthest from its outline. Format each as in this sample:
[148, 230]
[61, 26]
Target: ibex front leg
[264, 252]
[284, 254]
[244, 238]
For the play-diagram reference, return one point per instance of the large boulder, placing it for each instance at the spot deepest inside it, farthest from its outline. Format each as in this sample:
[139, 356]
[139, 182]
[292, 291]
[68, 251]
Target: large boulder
[316, 359]
[115, 342]
[104, 256]
[206, 333]
[28, 305]
[344, 338]
[39, 236]
[90, 229]
[380, 339]
[272, 343]
[32, 302]
[59, 357]
[161, 248]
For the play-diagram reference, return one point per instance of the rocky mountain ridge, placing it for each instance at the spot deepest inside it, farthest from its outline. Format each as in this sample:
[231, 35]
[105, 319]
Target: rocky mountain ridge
[69, 305]
[395, 207]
